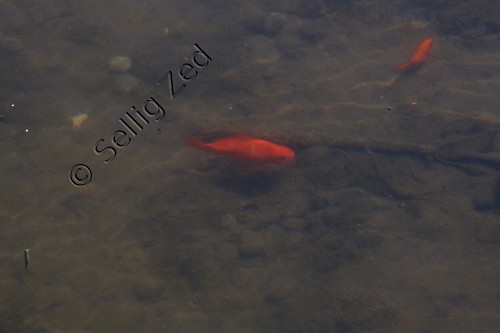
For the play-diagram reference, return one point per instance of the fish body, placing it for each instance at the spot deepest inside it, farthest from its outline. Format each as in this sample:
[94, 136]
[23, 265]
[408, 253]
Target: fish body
[242, 147]
[418, 57]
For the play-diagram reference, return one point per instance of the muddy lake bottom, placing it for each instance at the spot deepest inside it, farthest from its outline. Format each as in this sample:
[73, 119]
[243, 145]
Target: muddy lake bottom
[387, 219]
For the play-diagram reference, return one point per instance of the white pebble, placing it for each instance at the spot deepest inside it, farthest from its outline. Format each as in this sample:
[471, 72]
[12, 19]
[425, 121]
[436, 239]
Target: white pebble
[79, 119]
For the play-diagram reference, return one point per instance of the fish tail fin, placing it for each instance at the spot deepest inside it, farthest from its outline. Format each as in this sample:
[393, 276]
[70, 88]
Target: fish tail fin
[401, 68]
[407, 66]
[196, 143]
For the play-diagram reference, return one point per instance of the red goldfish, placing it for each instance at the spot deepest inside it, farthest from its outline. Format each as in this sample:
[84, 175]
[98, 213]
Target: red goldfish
[418, 56]
[242, 147]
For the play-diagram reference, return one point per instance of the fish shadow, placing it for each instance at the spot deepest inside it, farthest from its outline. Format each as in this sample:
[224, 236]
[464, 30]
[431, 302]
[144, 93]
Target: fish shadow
[261, 182]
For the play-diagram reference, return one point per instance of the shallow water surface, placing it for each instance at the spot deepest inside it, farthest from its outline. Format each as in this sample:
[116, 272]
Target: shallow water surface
[387, 219]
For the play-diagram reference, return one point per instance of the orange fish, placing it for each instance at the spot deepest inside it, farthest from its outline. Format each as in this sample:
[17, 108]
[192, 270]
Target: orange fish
[242, 147]
[418, 56]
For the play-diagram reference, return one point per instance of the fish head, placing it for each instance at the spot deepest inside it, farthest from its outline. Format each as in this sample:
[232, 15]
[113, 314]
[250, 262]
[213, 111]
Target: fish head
[283, 154]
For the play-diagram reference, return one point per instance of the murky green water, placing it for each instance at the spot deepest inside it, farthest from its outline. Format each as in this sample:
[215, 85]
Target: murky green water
[388, 219]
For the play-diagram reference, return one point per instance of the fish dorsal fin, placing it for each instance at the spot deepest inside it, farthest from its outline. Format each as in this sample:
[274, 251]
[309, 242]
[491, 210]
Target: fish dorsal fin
[239, 137]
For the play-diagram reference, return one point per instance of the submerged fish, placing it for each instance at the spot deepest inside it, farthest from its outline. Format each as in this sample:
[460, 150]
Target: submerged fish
[242, 147]
[418, 56]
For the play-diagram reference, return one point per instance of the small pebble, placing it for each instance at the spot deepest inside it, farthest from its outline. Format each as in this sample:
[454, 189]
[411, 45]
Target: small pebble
[120, 64]
[79, 119]
[125, 83]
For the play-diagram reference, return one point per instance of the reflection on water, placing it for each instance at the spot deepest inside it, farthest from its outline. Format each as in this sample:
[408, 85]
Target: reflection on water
[386, 220]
